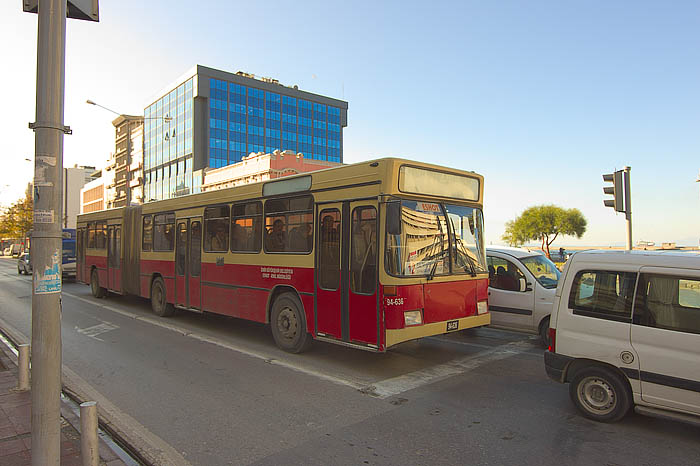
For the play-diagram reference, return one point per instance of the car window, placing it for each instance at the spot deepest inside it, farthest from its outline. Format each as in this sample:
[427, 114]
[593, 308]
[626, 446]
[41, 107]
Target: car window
[503, 274]
[544, 270]
[603, 294]
[668, 302]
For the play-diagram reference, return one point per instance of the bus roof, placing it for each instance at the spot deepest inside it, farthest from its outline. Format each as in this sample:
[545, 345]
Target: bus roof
[387, 176]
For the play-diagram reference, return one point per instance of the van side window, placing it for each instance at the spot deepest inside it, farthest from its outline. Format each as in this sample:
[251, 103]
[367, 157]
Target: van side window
[668, 302]
[503, 274]
[603, 294]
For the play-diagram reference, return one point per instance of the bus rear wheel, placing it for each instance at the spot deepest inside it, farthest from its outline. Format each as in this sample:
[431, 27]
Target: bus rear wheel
[159, 300]
[289, 325]
[97, 290]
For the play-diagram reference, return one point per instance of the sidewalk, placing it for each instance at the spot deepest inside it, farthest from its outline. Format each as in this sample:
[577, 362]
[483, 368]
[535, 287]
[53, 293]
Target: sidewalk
[15, 424]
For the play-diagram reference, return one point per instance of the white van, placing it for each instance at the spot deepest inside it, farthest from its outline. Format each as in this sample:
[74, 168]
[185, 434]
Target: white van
[625, 331]
[521, 289]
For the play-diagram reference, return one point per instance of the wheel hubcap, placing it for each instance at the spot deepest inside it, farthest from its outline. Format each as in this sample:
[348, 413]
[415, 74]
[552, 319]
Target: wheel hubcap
[597, 395]
[287, 323]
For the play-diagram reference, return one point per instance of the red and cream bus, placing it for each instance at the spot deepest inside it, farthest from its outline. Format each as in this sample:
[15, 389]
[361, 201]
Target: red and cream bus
[366, 255]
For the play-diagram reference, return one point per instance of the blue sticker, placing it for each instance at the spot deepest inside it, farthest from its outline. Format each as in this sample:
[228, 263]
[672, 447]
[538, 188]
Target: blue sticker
[50, 280]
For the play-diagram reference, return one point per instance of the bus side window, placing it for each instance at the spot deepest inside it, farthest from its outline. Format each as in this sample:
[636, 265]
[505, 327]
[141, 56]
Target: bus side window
[329, 249]
[363, 265]
[289, 224]
[164, 234]
[216, 228]
[147, 233]
[246, 227]
[91, 236]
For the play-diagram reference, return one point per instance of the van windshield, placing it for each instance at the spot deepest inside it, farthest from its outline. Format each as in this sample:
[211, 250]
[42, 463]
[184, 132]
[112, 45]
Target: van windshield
[543, 269]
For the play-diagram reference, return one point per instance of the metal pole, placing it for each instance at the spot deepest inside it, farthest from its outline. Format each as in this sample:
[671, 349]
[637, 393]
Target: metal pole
[23, 366]
[89, 445]
[628, 207]
[46, 238]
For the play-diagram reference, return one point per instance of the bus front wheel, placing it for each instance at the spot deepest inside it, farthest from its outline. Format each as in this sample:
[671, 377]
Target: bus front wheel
[97, 290]
[159, 301]
[289, 325]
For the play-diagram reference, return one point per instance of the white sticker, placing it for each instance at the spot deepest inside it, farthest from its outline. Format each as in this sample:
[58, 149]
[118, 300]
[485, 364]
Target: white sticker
[45, 184]
[50, 280]
[43, 216]
[46, 160]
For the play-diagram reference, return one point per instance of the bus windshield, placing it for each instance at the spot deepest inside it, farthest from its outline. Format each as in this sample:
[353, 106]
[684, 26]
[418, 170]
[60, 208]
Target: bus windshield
[427, 245]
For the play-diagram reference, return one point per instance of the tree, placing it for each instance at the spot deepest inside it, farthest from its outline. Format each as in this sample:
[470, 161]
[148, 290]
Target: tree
[544, 223]
[17, 219]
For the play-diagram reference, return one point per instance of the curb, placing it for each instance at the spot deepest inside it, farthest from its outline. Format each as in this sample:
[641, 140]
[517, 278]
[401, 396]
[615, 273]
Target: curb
[146, 447]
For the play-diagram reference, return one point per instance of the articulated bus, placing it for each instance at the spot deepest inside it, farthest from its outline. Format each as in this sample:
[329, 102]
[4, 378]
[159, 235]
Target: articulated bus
[367, 255]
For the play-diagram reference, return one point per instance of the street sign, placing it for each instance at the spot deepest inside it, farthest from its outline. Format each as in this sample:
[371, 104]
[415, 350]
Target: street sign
[87, 10]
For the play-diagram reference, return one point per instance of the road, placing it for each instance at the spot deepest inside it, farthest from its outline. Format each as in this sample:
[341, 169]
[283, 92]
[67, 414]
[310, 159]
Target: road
[219, 392]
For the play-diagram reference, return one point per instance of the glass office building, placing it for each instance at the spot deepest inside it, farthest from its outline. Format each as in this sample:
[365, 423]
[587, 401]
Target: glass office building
[212, 118]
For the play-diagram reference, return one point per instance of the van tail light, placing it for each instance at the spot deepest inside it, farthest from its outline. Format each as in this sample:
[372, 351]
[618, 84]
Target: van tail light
[552, 340]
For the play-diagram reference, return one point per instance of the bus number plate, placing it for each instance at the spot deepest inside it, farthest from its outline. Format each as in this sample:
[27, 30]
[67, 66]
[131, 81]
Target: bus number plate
[452, 325]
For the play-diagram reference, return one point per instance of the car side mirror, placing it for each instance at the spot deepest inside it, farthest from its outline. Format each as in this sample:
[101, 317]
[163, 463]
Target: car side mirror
[393, 218]
[525, 286]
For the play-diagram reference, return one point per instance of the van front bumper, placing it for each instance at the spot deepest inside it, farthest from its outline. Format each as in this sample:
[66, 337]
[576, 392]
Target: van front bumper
[555, 365]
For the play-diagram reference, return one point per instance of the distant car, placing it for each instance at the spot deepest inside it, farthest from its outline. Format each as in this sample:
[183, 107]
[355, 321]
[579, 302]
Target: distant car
[6, 251]
[521, 289]
[24, 266]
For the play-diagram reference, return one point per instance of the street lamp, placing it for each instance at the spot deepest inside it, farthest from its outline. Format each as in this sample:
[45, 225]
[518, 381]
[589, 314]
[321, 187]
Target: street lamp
[129, 119]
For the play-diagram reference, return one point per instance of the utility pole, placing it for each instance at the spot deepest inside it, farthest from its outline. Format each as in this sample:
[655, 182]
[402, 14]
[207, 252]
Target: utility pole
[628, 206]
[48, 213]
[46, 237]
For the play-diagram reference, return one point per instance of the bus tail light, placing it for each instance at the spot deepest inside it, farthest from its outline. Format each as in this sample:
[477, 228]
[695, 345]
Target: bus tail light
[412, 318]
[482, 307]
[552, 340]
[390, 290]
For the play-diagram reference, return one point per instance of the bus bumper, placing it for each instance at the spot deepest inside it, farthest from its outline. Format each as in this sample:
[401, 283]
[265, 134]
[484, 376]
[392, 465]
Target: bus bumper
[394, 336]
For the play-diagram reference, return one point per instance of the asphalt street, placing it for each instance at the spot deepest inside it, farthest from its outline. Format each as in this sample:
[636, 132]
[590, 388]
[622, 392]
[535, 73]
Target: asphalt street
[219, 392]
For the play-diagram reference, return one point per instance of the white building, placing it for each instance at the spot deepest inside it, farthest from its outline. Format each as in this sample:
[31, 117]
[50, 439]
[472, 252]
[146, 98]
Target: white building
[74, 178]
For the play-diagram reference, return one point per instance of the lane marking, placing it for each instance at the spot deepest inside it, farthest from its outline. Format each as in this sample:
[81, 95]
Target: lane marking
[430, 375]
[381, 389]
[96, 330]
[348, 382]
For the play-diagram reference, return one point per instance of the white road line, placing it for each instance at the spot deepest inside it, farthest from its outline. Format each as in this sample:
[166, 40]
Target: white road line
[96, 330]
[357, 385]
[402, 383]
[382, 389]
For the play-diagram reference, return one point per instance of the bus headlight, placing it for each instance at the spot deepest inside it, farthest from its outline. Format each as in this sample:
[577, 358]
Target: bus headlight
[412, 318]
[482, 307]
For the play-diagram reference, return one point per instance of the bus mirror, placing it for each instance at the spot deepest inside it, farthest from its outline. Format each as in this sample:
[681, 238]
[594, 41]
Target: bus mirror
[393, 218]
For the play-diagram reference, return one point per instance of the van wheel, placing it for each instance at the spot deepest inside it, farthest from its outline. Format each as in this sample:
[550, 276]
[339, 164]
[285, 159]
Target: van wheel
[600, 394]
[159, 299]
[97, 290]
[544, 332]
[288, 324]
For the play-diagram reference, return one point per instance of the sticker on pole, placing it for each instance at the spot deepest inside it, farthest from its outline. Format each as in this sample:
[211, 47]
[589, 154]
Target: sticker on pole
[50, 280]
[43, 216]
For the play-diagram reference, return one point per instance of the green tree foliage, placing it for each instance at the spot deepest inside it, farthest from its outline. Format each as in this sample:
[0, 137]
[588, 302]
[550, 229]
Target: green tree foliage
[544, 223]
[17, 220]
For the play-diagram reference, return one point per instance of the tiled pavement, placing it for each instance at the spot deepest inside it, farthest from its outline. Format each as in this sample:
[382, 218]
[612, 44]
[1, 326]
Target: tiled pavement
[15, 425]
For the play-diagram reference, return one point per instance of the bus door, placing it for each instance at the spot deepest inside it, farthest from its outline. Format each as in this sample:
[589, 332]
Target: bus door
[80, 256]
[114, 258]
[188, 263]
[346, 272]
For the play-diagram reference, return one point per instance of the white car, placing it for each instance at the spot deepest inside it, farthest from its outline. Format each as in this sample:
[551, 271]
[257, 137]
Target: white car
[521, 289]
[625, 331]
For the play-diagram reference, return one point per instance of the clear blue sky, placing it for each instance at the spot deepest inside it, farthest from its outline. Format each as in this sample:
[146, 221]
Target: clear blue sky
[541, 97]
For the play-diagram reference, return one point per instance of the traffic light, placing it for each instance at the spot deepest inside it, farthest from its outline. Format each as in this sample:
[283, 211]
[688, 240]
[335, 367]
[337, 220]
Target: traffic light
[617, 190]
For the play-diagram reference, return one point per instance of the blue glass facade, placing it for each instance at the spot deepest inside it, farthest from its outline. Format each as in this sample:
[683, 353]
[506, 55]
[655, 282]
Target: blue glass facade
[168, 126]
[244, 119]
[214, 119]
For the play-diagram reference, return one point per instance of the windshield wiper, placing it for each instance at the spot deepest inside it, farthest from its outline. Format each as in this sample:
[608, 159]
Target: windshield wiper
[470, 261]
[438, 238]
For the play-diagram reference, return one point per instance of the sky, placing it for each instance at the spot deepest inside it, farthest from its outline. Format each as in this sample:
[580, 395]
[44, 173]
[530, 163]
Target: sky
[540, 97]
